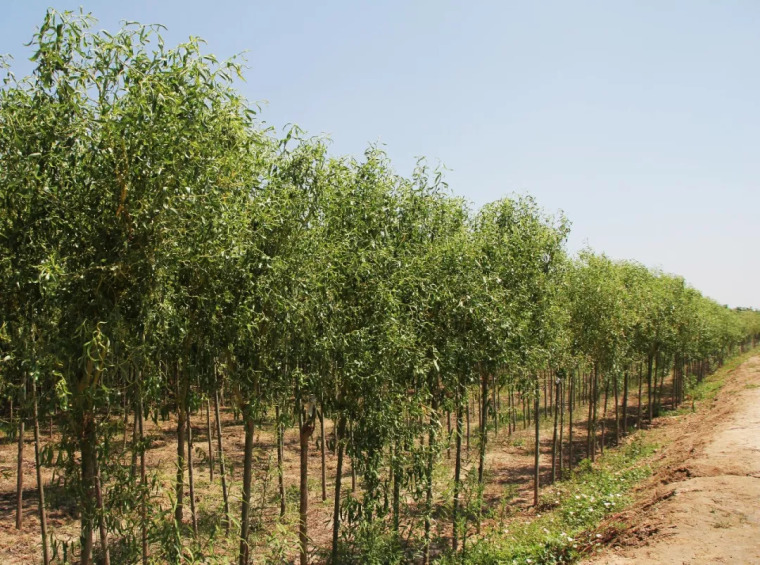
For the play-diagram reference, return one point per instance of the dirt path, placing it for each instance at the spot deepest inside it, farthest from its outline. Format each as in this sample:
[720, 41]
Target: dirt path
[706, 502]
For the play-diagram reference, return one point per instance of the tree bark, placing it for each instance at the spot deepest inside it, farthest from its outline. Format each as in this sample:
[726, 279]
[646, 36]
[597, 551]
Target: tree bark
[102, 519]
[457, 476]
[87, 447]
[40, 485]
[190, 477]
[323, 453]
[179, 483]
[340, 432]
[537, 454]
[555, 433]
[222, 472]
[307, 429]
[209, 431]
[280, 470]
[429, 480]
[243, 556]
[20, 461]
[143, 484]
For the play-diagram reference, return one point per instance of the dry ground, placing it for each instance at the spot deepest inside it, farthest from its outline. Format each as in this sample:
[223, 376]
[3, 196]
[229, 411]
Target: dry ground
[509, 465]
[703, 503]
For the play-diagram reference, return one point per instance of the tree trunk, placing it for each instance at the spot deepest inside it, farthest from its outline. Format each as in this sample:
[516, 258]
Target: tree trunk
[555, 433]
[617, 413]
[457, 475]
[101, 519]
[323, 453]
[482, 442]
[210, 441]
[594, 402]
[340, 431]
[650, 407]
[190, 474]
[537, 454]
[243, 555]
[626, 384]
[571, 403]
[395, 471]
[179, 483]
[222, 472]
[20, 461]
[303, 529]
[87, 447]
[429, 480]
[280, 470]
[590, 426]
[143, 484]
[562, 385]
[40, 485]
[604, 415]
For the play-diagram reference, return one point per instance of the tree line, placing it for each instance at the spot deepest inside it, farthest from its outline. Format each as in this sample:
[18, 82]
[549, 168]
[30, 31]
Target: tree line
[163, 254]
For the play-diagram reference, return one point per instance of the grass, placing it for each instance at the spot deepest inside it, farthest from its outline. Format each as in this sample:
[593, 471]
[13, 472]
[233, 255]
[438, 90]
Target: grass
[709, 387]
[564, 527]
[567, 514]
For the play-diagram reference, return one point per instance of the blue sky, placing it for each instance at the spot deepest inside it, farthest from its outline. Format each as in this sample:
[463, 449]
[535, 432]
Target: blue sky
[640, 120]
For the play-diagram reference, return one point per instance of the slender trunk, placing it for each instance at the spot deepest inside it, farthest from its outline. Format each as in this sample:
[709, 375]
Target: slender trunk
[125, 422]
[179, 483]
[340, 432]
[280, 473]
[448, 434]
[537, 445]
[133, 465]
[102, 519]
[209, 433]
[555, 433]
[595, 403]
[604, 414]
[590, 427]
[20, 461]
[457, 476]
[306, 430]
[641, 387]
[396, 472]
[429, 481]
[650, 407]
[467, 415]
[87, 447]
[40, 485]
[495, 402]
[143, 484]
[323, 454]
[483, 441]
[561, 423]
[617, 412]
[190, 474]
[220, 450]
[626, 380]
[571, 403]
[243, 555]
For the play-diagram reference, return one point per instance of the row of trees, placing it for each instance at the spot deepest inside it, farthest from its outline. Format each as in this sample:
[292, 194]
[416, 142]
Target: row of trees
[158, 248]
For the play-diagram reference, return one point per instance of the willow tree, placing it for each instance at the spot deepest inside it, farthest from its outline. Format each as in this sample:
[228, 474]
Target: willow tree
[120, 136]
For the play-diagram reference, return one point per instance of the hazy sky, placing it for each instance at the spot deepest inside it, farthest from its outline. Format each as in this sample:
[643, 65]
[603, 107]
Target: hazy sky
[640, 120]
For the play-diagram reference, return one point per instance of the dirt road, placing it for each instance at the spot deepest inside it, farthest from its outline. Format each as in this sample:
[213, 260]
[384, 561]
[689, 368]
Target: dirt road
[706, 502]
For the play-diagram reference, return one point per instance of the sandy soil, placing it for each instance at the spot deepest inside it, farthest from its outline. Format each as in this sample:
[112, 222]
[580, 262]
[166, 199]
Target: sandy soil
[703, 504]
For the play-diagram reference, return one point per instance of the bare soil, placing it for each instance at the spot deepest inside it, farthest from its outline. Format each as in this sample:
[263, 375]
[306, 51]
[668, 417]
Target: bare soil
[508, 489]
[702, 505]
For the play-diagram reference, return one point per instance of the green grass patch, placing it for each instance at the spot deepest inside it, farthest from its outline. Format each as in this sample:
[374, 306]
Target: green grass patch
[709, 387]
[568, 513]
